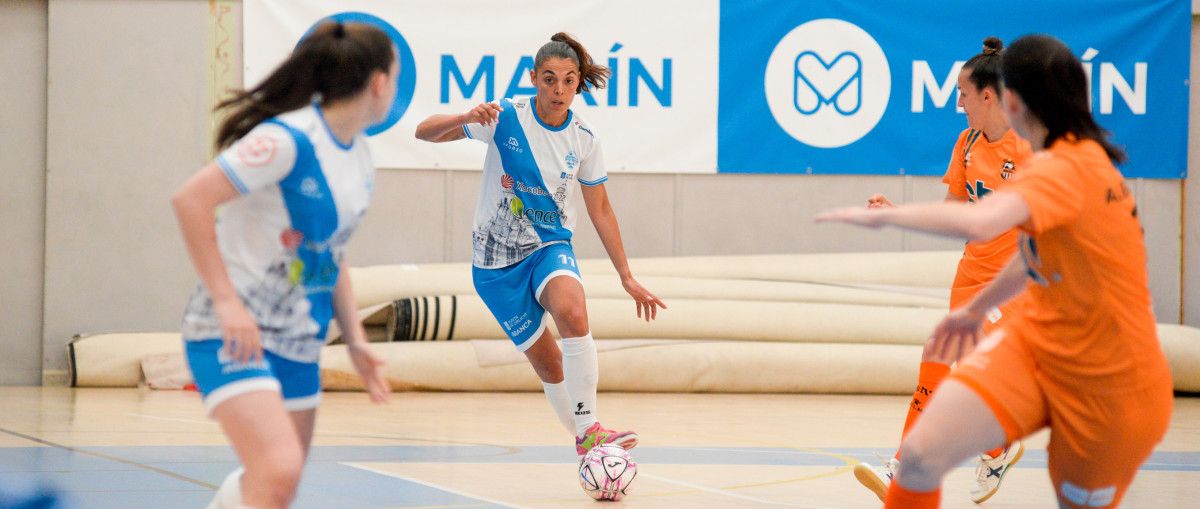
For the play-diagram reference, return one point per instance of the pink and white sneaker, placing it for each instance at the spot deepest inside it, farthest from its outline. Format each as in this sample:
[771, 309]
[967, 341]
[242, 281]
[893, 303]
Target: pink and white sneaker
[598, 435]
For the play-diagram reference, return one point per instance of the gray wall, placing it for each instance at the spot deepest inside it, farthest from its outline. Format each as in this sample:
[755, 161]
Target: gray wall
[129, 93]
[22, 198]
[126, 123]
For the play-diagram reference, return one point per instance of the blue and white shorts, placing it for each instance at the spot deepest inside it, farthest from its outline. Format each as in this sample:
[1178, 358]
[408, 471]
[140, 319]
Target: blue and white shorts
[511, 293]
[220, 378]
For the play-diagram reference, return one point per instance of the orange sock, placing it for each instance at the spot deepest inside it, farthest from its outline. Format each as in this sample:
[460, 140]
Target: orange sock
[899, 497]
[996, 452]
[928, 378]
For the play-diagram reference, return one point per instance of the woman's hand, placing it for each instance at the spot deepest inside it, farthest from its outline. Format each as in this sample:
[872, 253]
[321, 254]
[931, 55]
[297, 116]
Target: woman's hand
[647, 303]
[878, 201]
[239, 331]
[370, 368]
[484, 113]
[956, 336]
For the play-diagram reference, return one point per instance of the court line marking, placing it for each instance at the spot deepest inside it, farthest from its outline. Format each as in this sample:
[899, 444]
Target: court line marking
[433, 485]
[108, 457]
[715, 491]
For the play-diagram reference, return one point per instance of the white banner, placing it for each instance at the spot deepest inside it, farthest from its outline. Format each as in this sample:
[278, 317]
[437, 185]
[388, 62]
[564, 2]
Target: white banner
[659, 113]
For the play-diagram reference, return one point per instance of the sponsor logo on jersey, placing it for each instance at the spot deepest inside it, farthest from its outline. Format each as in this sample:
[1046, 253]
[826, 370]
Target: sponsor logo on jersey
[542, 216]
[291, 238]
[506, 181]
[516, 206]
[513, 145]
[571, 160]
[536, 191]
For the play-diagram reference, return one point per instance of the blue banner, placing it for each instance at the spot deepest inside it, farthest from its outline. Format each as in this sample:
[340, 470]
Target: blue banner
[868, 87]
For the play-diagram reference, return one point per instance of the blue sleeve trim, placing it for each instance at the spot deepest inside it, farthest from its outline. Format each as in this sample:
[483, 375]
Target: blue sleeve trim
[467, 132]
[232, 175]
[591, 183]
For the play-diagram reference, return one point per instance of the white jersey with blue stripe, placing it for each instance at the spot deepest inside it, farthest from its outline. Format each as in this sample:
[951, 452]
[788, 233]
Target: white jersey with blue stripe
[531, 178]
[302, 194]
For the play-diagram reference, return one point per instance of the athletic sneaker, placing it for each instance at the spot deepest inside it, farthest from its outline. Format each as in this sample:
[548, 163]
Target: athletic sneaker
[877, 479]
[991, 471]
[599, 435]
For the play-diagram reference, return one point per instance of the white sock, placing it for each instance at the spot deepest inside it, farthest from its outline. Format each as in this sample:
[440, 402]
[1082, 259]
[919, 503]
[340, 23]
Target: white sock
[581, 373]
[560, 401]
[229, 495]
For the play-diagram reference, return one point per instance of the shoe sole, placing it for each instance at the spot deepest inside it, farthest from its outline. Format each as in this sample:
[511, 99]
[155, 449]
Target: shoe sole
[870, 480]
[1020, 452]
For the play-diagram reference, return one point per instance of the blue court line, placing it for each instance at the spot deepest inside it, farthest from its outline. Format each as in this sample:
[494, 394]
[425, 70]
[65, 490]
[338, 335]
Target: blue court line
[96, 482]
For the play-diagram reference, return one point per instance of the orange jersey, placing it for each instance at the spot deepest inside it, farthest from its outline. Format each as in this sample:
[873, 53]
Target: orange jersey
[1086, 315]
[978, 167]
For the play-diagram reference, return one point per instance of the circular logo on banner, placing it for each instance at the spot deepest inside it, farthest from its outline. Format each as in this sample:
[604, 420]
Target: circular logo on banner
[827, 83]
[406, 82]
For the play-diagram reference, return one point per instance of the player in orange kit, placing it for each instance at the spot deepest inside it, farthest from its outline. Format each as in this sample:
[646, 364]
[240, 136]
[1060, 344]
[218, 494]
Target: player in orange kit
[1082, 355]
[985, 157]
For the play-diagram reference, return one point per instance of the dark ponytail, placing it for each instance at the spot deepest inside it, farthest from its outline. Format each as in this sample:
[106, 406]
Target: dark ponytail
[562, 45]
[334, 62]
[985, 67]
[1050, 80]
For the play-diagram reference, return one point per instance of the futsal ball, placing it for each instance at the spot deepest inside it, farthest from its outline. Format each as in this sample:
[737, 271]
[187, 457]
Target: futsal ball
[607, 472]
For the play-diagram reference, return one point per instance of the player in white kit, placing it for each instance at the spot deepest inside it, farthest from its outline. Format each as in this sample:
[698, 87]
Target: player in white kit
[265, 225]
[541, 159]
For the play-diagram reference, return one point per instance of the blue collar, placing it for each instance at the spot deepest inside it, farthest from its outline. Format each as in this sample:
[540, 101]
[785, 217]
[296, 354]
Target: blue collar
[567, 122]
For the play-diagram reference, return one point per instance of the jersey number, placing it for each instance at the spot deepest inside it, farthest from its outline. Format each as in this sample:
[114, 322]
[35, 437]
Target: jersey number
[566, 260]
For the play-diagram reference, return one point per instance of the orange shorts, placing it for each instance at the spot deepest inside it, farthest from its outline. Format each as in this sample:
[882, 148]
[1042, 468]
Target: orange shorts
[1097, 440]
[965, 288]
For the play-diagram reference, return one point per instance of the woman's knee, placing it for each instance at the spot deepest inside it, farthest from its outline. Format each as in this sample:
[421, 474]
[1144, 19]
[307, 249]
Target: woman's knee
[920, 459]
[280, 476]
[572, 321]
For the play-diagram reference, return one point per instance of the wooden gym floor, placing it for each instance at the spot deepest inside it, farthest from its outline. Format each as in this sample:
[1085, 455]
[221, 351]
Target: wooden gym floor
[122, 448]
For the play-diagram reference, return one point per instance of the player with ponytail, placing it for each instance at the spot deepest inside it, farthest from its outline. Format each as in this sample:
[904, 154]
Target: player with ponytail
[1081, 355]
[986, 157]
[542, 159]
[291, 183]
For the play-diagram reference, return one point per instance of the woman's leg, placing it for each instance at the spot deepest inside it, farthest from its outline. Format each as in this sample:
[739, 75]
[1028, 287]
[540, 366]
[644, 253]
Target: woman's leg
[546, 359]
[264, 436]
[957, 425]
[563, 297]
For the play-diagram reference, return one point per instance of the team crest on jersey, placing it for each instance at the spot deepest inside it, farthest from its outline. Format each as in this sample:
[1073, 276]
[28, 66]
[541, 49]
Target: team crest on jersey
[571, 160]
[256, 151]
[513, 145]
[310, 188]
[506, 181]
[1006, 171]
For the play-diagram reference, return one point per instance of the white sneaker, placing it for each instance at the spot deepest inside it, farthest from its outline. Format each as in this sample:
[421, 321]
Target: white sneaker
[991, 471]
[877, 479]
[229, 495]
